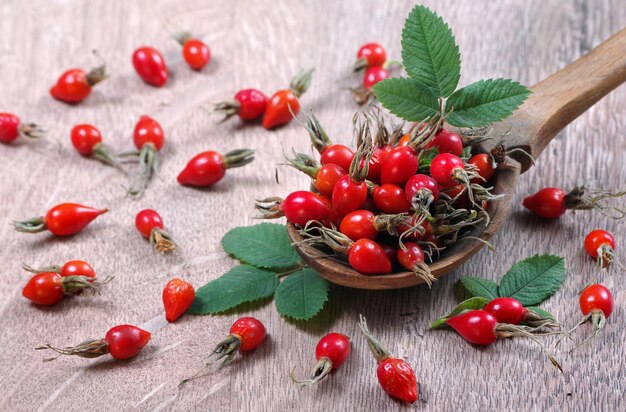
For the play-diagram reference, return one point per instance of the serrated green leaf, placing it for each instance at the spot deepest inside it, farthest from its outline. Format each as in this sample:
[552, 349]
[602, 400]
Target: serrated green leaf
[541, 312]
[479, 287]
[426, 157]
[429, 51]
[407, 99]
[533, 280]
[301, 295]
[485, 102]
[241, 284]
[265, 245]
[468, 304]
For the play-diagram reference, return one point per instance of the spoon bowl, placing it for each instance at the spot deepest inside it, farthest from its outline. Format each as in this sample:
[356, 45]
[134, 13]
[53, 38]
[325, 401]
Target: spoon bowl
[555, 102]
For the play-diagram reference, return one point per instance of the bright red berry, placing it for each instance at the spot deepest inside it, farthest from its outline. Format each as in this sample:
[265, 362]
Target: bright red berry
[548, 203]
[371, 55]
[150, 66]
[178, 296]
[208, 168]
[77, 268]
[11, 128]
[447, 142]
[399, 165]
[75, 85]
[507, 310]
[390, 198]
[44, 289]
[422, 190]
[446, 168]
[412, 257]
[148, 220]
[596, 303]
[596, 298]
[196, 53]
[85, 138]
[121, 342]
[374, 75]
[368, 257]
[284, 104]
[395, 375]
[299, 208]
[48, 288]
[397, 378]
[150, 225]
[126, 341]
[246, 334]
[484, 165]
[280, 108]
[327, 177]
[337, 154]
[376, 163]
[600, 245]
[62, 220]
[348, 195]
[359, 224]
[475, 326]
[148, 131]
[331, 352]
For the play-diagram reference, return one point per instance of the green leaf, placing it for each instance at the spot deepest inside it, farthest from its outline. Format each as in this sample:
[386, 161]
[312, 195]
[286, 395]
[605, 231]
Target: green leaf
[426, 157]
[533, 280]
[407, 98]
[265, 245]
[541, 312]
[301, 295]
[466, 154]
[484, 102]
[429, 51]
[479, 287]
[240, 284]
[468, 304]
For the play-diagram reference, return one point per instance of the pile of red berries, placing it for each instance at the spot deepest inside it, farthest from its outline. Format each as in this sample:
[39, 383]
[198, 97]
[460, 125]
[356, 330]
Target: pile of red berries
[398, 200]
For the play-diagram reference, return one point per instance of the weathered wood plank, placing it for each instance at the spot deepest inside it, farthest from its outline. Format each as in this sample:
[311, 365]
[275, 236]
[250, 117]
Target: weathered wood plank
[261, 44]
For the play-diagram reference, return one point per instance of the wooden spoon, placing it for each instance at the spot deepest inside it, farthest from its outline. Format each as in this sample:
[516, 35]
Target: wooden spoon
[555, 102]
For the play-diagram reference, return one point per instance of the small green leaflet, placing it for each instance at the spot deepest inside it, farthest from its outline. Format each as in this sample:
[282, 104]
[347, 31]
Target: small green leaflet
[240, 284]
[479, 287]
[468, 304]
[430, 54]
[407, 98]
[265, 245]
[301, 295]
[485, 102]
[541, 312]
[533, 280]
[426, 157]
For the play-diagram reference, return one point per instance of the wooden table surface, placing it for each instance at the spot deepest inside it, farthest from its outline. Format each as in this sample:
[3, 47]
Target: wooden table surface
[261, 44]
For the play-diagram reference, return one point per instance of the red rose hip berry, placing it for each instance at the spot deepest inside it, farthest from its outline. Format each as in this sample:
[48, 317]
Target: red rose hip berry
[395, 375]
[150, 225]
[331, 352]
[207, 168]
[178, 296]
[11, 128]
[150, 66]
[64, 219]
[121, 342]
[248, 104]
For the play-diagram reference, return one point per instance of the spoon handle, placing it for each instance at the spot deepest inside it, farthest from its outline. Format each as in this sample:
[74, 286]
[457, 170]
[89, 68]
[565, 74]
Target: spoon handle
[566, 94]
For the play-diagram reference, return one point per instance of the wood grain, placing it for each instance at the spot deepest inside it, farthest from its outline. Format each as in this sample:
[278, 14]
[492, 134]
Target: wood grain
[262, 44]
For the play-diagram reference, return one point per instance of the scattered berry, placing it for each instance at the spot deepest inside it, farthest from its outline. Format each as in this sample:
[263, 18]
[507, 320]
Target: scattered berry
[62, 220]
